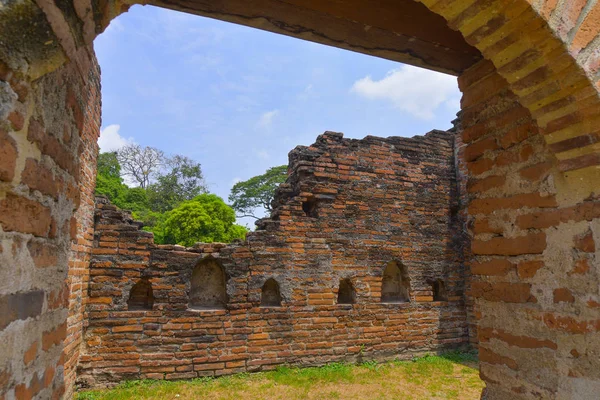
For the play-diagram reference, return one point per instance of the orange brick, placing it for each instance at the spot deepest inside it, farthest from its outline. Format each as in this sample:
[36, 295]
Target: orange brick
[534, 243]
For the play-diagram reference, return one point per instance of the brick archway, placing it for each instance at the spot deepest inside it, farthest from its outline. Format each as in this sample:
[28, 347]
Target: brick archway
[529, 125]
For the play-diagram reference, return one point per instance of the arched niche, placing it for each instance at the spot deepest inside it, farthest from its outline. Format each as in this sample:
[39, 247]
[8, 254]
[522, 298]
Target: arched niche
[208, 287]
[395, 284]
[270, 295]
[439, 290]
[141, 296]
[346, 292]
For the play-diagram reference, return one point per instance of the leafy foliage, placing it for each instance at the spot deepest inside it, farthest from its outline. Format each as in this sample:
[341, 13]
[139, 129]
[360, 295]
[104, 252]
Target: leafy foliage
[175, 207]
[183, 181]
[206, 218]
[256, 192]
[108, 181]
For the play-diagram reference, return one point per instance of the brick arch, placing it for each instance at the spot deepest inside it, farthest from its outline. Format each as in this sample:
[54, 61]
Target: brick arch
[538, 80]
[395, 283]
[141, 296]
[545, 51]
[545, 68]
[270, 294]
[208, 285]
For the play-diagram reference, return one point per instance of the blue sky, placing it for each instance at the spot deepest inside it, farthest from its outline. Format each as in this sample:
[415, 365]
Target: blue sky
[238, 99]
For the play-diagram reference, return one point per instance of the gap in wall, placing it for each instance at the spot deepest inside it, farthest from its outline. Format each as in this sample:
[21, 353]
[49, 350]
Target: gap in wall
[237, 99]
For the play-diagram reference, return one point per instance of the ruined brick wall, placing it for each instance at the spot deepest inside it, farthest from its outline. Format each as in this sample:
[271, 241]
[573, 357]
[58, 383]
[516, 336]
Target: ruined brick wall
[44, 156]
[535, 259]
[350, 209]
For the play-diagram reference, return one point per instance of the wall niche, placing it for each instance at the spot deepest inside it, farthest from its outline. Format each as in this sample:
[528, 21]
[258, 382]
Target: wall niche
[208, 289]
[141, 296]
[346, 292]
[270, 295]
[439, 290]
[395, 284]
[310, 207]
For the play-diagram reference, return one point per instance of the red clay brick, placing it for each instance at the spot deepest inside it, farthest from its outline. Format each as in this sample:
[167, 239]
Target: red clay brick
[8, 156]
[536, 172]
[23, 215]
[54, 337]
[490, 357]
[585, 242]
[531, 200]
[563, 295]
[503, 292]
[39, 177]
[496, 267]
[528, 269]
[525, 342]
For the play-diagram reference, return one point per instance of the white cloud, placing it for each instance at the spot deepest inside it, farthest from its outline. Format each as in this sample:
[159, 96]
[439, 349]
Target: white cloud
[416, 91]
[111, 140]
[266, 119]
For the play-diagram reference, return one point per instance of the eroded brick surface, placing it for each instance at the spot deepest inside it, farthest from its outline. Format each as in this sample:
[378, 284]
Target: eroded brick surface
[547, 82]
[352, 211]
[44, 163]
[534, 283]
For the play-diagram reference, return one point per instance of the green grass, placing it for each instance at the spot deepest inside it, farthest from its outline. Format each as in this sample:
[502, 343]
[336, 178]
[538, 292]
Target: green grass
[448, 376]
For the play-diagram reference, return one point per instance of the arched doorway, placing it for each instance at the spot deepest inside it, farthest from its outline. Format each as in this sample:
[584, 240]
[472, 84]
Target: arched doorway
[529, 123]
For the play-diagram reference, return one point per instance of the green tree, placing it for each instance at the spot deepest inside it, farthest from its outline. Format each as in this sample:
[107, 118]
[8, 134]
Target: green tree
[110, 184]
[205, 218]
[183, 181]
[257, 192]
[133, 199]
[108, 179]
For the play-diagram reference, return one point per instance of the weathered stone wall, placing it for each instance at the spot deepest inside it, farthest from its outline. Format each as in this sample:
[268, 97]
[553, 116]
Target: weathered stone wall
[535, 260]
[350, 209]
[47, 154]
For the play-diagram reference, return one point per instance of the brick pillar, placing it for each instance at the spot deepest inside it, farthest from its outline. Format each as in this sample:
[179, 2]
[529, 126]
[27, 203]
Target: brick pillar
[535, 286]
[46, 156]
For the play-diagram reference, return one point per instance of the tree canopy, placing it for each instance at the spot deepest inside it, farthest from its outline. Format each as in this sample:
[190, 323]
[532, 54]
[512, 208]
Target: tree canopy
[205, 218]
[140, 163]
[248, 196]
[108, 179]
[183, 180]
[173, 205]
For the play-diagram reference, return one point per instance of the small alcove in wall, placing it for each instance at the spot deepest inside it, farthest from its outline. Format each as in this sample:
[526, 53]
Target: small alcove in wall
[346, 292]
[395, 284]
[208, 287]
[270, 295]
[439, 290]
[141, 296]
[310, 207]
